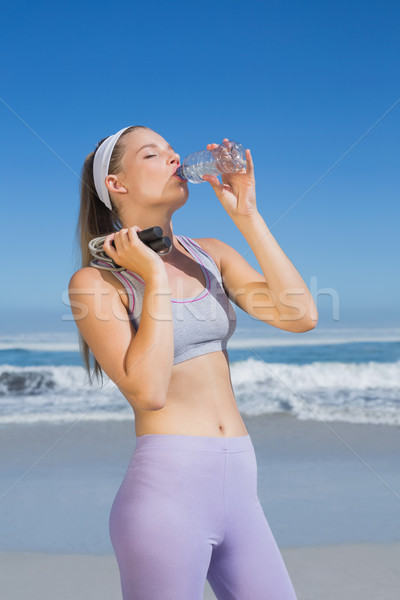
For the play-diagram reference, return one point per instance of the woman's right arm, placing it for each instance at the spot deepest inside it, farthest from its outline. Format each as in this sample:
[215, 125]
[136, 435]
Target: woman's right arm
[140, 363]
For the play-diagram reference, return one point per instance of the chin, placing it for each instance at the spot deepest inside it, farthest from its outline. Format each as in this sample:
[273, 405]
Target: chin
[182, 195]
[178, 202]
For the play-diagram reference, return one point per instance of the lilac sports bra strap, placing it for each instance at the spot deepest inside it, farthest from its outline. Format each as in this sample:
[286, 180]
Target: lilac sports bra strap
[196, 250]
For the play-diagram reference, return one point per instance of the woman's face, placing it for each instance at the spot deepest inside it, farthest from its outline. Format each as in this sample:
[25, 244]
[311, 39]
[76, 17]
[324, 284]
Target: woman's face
[149, 164]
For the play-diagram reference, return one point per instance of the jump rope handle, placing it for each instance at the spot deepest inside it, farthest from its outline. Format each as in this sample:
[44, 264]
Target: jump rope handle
[152, 237]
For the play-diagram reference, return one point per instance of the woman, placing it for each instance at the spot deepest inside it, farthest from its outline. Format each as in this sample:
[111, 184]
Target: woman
[187, 508]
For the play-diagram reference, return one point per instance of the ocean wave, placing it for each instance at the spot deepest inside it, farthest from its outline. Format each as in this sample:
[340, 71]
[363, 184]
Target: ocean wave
[353, 392]
[366, 392]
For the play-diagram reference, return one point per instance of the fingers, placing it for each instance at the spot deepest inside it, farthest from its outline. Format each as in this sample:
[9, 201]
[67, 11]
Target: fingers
[128, 235]
[108, 246]
[107, 243]
[213, 181]
[249, 169]
[133, 233]
[117, 238]
[213, 145]
[249, 163]
[120, 238]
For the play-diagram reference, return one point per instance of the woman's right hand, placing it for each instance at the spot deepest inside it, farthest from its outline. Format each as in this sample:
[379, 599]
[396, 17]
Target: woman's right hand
[133, 254]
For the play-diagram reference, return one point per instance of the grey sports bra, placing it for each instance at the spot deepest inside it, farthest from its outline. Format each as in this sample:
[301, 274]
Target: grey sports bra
[203, 323]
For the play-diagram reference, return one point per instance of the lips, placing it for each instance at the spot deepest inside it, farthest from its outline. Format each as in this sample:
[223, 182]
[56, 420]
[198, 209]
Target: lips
[176, 174]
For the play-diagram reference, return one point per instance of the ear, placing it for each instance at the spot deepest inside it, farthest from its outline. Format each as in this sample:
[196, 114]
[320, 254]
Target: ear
[114, 185]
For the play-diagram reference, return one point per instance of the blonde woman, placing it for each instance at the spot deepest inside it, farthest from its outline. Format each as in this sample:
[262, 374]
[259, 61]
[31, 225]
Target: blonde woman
[187, 509]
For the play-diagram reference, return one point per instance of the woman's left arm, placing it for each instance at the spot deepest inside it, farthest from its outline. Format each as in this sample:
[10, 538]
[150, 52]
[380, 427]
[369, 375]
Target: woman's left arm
[286, 301]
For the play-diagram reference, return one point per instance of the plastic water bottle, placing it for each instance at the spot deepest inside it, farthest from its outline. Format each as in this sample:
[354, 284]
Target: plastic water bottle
[228, 157]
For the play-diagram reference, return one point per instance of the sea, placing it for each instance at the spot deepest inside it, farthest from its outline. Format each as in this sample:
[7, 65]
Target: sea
[348, 374]
[318, 483]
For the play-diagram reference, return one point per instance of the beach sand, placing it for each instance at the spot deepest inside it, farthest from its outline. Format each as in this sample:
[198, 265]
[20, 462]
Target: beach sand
[330, 492]
[348, 572]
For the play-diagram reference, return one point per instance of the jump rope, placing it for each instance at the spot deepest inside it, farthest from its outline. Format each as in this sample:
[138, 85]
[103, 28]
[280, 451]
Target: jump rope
[152, 236]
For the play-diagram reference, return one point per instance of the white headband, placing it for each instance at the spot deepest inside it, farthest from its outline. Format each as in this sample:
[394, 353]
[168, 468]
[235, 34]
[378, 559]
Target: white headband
[101, 164]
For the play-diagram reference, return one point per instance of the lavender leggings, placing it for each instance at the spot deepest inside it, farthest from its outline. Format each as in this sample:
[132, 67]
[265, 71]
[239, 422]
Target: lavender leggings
[187, 510]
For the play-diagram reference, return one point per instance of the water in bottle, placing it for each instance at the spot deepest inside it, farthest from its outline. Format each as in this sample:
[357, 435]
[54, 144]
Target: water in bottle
[228, 157]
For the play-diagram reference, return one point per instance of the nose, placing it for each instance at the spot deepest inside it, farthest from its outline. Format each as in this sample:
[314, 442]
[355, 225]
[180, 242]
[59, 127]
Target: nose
[176, 157]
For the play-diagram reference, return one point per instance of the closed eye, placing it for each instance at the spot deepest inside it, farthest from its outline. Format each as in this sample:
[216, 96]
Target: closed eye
[150, 155]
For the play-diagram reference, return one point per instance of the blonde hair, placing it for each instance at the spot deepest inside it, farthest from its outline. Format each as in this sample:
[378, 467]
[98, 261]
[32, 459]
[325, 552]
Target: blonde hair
[96, 219]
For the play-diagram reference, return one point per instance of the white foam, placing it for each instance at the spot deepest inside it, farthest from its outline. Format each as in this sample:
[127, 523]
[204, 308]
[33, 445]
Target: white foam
[40, 342]
[353, 392]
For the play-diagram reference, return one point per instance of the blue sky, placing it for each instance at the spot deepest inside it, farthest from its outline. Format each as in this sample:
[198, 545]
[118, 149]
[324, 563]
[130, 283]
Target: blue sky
[312, 88]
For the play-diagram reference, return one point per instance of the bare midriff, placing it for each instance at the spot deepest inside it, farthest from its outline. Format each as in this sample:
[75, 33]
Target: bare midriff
[200, 401]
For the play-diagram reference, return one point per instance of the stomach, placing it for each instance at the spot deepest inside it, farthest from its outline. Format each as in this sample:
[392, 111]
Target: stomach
[200, 401]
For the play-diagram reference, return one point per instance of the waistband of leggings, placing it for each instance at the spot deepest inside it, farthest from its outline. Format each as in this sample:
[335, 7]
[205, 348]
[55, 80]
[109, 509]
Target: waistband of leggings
[194, 442]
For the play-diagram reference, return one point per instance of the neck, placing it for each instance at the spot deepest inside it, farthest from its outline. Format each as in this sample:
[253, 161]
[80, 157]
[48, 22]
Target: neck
[162, 220]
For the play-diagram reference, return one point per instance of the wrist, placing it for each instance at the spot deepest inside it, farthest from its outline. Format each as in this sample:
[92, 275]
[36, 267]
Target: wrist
[157, 275]
[251, 220]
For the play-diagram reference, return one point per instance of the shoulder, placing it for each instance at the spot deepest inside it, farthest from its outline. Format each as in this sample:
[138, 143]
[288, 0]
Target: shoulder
[219, 251]
[90, 278]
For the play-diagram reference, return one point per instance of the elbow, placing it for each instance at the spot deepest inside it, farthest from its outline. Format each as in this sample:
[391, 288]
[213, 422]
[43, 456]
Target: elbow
[310, 319]
[308, 326]
[149, 401]
[156, 403]
[302, 325]
[144, 400]
[154, 395]
[310, 323]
